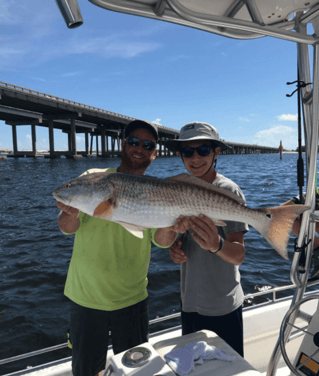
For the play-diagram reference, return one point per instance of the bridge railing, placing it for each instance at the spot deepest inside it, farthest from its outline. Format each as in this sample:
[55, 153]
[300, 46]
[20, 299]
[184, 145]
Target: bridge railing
[62, 100]
[73, 103]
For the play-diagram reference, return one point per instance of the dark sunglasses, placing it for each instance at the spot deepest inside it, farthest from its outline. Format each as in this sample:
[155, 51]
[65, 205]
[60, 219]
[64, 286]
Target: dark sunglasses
[202, 150]
[147, 145]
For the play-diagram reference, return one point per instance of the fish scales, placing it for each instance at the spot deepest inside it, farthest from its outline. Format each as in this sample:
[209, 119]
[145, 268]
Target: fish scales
[158, 203]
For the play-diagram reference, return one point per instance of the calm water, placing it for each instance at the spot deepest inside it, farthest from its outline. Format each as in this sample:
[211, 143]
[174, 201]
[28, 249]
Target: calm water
[35, 255]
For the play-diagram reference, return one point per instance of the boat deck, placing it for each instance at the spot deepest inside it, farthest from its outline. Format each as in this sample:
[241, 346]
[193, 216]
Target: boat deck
[261, 328]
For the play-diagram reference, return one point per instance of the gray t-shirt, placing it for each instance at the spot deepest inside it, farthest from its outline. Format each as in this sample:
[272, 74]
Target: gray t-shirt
[211, 286]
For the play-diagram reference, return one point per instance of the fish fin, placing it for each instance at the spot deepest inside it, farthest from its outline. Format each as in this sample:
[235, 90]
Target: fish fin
[94, 177]
[95, 171]
[189, 179]
[133, 229]
[277, 232]
[104, 210]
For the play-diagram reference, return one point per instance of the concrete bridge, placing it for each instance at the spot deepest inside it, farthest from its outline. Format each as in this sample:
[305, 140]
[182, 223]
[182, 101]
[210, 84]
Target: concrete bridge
[20, 106]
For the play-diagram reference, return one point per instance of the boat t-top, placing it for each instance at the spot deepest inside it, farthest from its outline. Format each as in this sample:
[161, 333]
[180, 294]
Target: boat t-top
[281, 335]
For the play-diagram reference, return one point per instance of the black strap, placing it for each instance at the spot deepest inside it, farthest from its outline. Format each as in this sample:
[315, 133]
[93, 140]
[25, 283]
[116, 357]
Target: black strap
[302, 258]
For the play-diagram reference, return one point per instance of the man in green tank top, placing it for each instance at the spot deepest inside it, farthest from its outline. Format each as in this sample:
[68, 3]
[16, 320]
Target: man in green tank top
[107, 276]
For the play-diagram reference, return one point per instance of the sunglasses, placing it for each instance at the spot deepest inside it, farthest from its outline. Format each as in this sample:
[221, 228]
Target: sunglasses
[147, 145]
[202, 151]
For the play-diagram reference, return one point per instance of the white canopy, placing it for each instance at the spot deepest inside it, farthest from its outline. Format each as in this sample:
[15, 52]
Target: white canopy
[240, 19]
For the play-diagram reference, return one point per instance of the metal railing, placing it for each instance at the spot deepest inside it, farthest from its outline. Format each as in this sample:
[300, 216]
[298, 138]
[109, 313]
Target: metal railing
[273, 291]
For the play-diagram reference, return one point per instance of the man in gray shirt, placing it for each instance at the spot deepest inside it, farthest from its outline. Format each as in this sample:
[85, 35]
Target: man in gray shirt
[211, 292]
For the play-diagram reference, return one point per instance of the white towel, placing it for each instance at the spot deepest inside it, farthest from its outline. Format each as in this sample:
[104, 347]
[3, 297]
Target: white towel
[182, 361]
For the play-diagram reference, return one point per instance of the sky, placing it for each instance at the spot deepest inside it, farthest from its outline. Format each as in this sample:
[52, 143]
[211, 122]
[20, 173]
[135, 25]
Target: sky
[147, 69]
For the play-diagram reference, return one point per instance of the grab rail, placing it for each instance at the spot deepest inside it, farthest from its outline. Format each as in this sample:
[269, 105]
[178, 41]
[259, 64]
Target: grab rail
[272, 291]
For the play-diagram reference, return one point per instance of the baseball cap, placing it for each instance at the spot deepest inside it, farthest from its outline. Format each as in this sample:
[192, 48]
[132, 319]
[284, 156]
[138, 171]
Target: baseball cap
[135, 124]
[197, 131]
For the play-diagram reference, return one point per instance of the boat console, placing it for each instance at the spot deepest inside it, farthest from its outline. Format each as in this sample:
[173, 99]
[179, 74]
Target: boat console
[306, 360]
[142, 360]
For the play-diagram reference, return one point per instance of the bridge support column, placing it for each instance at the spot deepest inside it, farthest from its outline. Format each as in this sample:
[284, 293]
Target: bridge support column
[113, 146]
[160, 142]
[103, 143]
[86, 135]
[119, 145]
[97, 145]
[51, 139]
[34, 139]
[14, 140]
[91, 145]
[73, 138]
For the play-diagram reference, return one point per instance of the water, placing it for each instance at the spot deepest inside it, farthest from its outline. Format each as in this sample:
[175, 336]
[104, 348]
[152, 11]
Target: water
[35, 255]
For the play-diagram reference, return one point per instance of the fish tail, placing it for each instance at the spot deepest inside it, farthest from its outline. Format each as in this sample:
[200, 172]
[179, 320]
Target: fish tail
[277, 231]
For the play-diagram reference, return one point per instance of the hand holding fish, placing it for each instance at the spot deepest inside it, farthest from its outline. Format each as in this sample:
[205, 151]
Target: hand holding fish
[68, 209]
[68, 218]
[206, 233]
[166, 236]
[176, 253]
[182, 224]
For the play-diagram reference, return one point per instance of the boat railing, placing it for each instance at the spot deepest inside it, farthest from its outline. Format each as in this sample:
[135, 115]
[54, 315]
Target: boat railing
[271, 291]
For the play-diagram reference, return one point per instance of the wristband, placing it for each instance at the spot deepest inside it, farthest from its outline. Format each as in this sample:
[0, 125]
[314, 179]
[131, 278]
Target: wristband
[221, 244]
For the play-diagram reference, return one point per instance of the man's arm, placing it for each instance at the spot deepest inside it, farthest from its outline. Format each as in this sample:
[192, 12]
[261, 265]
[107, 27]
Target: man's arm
[166, 236]
[68, 218]
[176, 252]
[234, 248]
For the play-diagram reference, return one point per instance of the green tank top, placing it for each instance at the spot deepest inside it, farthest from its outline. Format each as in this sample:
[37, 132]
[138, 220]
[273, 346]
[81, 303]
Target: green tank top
[109, 265]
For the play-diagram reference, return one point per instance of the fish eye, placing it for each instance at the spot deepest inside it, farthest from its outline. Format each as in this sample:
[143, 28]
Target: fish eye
[67, 185]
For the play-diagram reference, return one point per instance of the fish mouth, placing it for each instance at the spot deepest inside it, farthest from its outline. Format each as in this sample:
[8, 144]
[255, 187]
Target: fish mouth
[59, 198]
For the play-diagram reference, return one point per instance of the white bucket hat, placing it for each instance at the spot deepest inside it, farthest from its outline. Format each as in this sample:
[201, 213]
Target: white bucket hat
[197, 131]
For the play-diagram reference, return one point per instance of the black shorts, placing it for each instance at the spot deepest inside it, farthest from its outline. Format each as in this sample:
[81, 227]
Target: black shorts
[228, 327]
[89, 334]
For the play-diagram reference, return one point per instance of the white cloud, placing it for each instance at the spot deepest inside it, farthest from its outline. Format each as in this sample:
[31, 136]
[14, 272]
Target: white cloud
[116, 45]
[27, 143]
[43, 144]
[157, 121]
[34, 32]
[288, 117]
[80, 142]
[243, 119]
[272, 137]
[38, 79]
[71, 74]
[80, 138]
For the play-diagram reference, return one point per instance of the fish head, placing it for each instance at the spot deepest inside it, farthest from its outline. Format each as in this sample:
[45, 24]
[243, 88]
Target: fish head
[85, 192]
